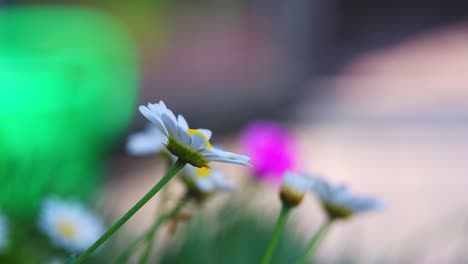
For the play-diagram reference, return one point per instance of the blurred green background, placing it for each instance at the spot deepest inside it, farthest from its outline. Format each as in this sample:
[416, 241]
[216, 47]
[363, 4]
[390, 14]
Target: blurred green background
[69, 83]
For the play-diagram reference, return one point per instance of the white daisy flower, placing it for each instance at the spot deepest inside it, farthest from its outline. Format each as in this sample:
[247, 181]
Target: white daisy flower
[69, 225]
[204, 181]
[3, 233]
[339, 202]
[149, 141]
[294, 188]
[191, 145]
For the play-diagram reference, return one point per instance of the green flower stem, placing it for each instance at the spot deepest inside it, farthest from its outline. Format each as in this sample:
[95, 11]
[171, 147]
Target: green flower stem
[165, 179]
[122, 258]
[150, 236]
[314, 243]
[280, 224]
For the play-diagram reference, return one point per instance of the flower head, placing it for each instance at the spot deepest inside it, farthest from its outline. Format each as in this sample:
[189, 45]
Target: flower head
[69, 225]
[146, 142]
[294, 188]
[205, 181]
[191, 145]
[339, 202]
[3, 233]
[271, 147]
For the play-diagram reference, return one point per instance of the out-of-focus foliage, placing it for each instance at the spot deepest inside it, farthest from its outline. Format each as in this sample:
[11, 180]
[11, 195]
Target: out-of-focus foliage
[68, 91]
[234, 235]
[26, 244]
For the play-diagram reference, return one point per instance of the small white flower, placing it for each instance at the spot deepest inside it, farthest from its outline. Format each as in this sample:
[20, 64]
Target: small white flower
[191, 145]
[148, 141]
[339, 202]
[294, 188]
[297, 182]
[3, 233]
[69, 225]
[206, 180]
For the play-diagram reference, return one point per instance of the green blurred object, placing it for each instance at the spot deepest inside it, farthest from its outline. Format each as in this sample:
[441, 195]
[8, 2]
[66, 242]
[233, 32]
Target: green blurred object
[236, 235]
[68, 82]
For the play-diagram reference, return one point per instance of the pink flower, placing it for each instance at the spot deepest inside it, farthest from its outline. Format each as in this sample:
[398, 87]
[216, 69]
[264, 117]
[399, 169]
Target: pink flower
[271, 148]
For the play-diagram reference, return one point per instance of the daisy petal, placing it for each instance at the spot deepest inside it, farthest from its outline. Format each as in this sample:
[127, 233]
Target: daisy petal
[206, 132]
[182, 122]
[205, 184]
[156, 108]
[170, 126]
[155, 119]
[198, 142]
[232, 161]
[215, 154]
[162, 104]
[184, 136]
[149, 141]
[298, 182]
[139, 144]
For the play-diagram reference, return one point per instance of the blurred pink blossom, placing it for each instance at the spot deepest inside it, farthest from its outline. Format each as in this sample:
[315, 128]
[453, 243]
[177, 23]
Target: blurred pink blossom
[271, 148]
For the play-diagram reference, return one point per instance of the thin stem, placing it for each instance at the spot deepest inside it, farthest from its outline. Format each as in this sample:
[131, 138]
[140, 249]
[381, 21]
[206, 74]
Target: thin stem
[164, 180]
[280, 224]
[122, 258]
[150, 236]
[314, 243]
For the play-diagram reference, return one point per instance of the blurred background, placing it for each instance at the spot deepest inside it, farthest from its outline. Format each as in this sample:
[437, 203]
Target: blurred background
[375, 93]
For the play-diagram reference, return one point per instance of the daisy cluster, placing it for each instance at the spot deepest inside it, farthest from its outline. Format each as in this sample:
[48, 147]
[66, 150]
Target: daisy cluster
[270, 145]
[273, 152]
[73, 228]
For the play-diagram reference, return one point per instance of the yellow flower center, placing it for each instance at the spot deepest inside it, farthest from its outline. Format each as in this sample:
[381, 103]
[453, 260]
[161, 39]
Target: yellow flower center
[195, 131]
[66, 229]
[203, 172]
